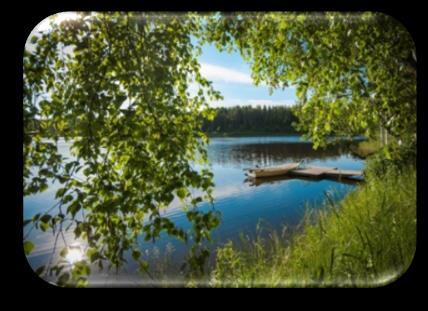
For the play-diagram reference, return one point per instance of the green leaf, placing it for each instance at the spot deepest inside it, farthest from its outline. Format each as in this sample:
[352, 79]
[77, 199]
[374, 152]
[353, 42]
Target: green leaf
[143, 267]
[45, 218]
[196, 200]
[44, 226]
[136, 254]
[78, 231]
[67, 198]
[92, 254]
[36, 217]
[28, 247]
[39, 271]
[60, 192]
[73, 208]
[63, 252]
[82, 283]
[87, 171]
[43, 187]
[182, 193]
[63, 279]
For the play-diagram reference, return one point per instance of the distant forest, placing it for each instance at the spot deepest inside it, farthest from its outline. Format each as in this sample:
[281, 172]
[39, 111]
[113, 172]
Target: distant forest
[237, 120]
[251, 120]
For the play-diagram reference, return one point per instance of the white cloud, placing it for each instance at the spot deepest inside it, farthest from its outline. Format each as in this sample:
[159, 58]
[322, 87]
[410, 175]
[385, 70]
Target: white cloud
[223, 74]
[270, 102]
[229, 102]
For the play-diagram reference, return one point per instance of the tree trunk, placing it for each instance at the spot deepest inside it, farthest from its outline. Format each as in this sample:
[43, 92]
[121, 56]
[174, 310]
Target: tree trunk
[383, 136]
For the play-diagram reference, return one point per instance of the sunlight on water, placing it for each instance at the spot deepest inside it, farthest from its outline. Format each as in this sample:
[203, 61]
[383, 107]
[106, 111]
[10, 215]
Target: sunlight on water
[74, 254]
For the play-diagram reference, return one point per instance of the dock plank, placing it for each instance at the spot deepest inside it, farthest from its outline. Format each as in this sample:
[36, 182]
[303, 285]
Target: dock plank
[316, 172]
[310, 171]
[344, 173]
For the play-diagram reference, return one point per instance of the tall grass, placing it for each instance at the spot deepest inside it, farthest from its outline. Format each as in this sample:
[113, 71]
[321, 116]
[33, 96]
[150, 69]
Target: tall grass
[368, 239]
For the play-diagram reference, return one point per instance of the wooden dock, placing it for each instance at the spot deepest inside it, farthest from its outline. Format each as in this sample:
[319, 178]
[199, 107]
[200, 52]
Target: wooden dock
[319, 171]
[310, 171]
[295, 169]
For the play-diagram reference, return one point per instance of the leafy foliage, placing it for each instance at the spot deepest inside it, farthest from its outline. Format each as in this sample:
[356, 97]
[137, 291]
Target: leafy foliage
[352, 72]
[115, 86]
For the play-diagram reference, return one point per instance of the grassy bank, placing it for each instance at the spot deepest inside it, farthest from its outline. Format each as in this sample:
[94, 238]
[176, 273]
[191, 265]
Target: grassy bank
[369, 240]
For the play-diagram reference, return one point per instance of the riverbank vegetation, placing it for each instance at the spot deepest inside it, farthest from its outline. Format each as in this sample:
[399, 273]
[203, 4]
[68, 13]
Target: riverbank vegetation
[368, 239]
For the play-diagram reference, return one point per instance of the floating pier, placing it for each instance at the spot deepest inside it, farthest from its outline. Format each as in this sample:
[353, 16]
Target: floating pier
[296, 169]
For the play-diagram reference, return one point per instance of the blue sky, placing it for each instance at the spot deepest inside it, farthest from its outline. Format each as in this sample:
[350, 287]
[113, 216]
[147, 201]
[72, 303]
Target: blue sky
[231, 75]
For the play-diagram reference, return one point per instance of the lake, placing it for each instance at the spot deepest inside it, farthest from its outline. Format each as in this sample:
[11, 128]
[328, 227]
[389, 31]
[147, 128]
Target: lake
[246, 207]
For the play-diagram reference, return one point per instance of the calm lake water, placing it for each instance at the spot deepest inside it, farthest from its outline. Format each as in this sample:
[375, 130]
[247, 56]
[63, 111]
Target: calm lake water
[243, 205]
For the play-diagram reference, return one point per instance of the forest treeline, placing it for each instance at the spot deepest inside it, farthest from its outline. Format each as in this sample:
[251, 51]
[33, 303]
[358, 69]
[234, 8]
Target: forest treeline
[235, 120]
[251, 120]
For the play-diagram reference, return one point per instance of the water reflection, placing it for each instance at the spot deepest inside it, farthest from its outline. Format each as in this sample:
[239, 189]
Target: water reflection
[278, 179]
[266, 154]
[243, 205]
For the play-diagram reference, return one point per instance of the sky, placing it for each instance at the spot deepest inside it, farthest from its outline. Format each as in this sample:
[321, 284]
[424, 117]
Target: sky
[230, 75]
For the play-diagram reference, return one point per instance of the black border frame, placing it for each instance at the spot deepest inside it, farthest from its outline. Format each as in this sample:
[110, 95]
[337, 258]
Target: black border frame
[409, 14]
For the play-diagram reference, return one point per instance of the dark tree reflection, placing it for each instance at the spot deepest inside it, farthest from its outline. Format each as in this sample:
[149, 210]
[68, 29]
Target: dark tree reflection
[273, 153]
